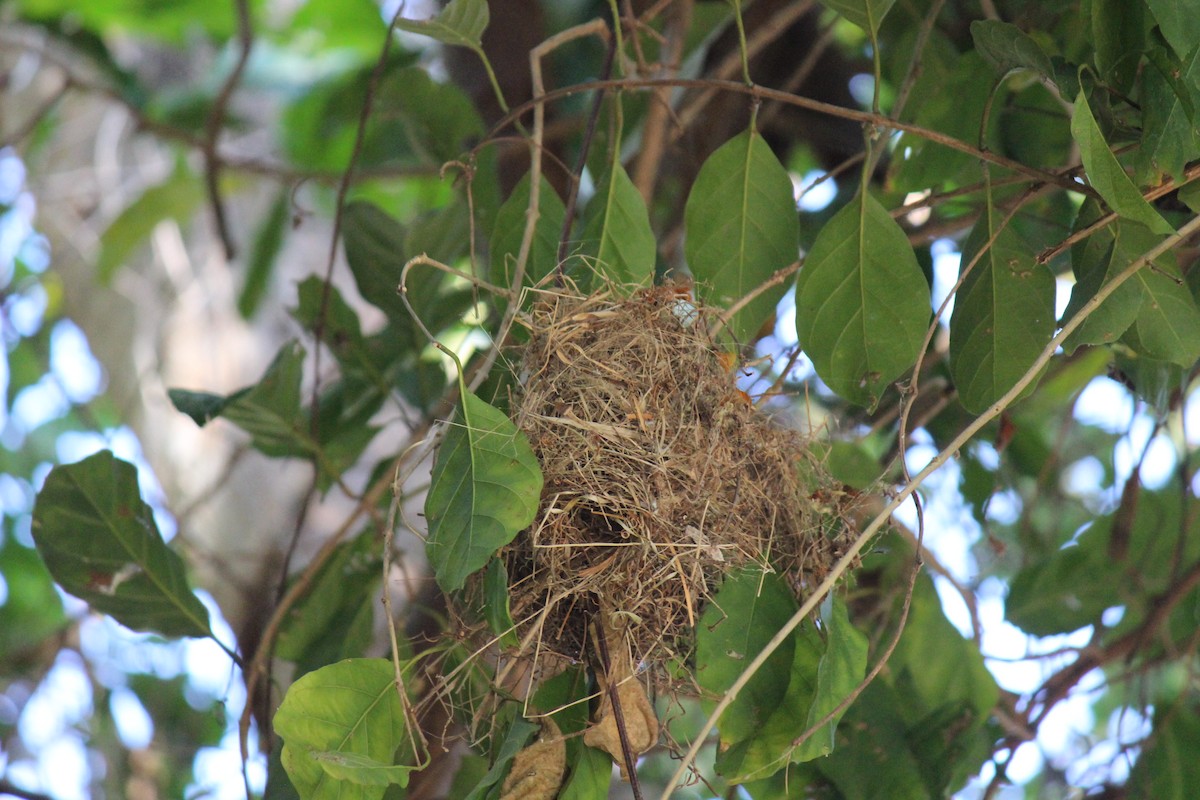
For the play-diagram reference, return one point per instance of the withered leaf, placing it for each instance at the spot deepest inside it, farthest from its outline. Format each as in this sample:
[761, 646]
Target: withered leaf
[537, 771]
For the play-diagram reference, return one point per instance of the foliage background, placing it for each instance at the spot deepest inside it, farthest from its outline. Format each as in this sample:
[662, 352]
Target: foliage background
[217, 196]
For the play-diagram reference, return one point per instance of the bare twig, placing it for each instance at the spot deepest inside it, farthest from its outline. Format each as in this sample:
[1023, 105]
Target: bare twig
[216, 121]
[763, 93]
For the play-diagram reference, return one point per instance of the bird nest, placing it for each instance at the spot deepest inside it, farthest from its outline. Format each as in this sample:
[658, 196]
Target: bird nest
[661, 477]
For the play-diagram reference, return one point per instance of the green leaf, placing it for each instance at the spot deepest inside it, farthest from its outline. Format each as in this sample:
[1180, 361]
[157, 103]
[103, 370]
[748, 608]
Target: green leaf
[518, 734]
[340, 26]
[843, 666]
[485, 488]
[1003, 314]
[1105, 174]
[1095, 263]
[340, 327]
[938, 665]
[770, 748]
[1062, 593]
[261, 265]
[852, 464]
[955, 106]
[427, 122]
[1006, 47]
[862, 302]
[618, 231]
[32, 609]
[1118, 36]
[591, 775]
[866, 14]
[350, 708]
[1167, 768]
[202, 407]
[99, 541]
[496, 604]
[174, 23]
[506, 238]
[377, 248]
[176, 198]
[333, 619]
[591, 769]
[743, 616]
[1170, 99]
[877, 760]
[361, 770]
[1179, 21]
[376, 253]
[741, 225]
[1168, 323]
[461, 22]
[270, 410]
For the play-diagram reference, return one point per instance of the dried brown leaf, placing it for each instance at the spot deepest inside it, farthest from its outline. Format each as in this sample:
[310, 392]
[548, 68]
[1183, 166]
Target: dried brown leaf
[537, 771]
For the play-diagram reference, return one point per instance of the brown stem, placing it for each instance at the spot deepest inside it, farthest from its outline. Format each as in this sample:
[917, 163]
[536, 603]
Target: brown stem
[216, 120]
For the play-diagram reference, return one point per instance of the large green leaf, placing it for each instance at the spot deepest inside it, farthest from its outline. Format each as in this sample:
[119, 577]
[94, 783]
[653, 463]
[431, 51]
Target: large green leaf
[1105, 173]
[344, 25]
[174, 23]
[321, 307]
[485, 488]
[99, 541]
[270, 410]
[742, 225]
[1118, 35]
[426, 121]
[862, 302]
[1003, 314]
[843, 665]
[341, 726]
[876, 761]
[771, 746]
[1170, 102]
[954, 103]
[743, 616]
[1179, 21]
[938, 664]
[618, 232]
[866, 14]
[509, 229]
[461, 22]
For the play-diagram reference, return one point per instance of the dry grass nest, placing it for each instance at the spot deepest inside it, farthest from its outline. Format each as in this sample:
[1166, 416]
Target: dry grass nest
[660, 476]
